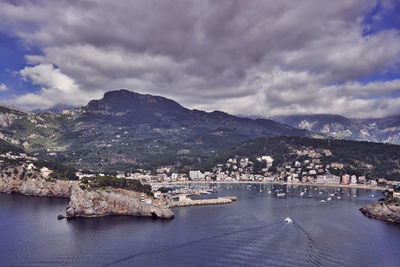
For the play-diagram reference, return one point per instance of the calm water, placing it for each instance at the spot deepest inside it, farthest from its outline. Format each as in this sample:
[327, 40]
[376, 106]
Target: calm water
[248, 232]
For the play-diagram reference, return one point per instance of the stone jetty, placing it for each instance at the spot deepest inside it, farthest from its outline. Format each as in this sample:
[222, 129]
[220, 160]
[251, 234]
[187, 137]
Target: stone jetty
[200, 202]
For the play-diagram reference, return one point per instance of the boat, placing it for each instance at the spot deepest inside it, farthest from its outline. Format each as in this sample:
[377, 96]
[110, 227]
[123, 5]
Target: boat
[329, 199]
[372, 196]
[322, 201]
[280, 194]
[320, 193]
[288, 220]
[338, 197]
[301, 194]
[269, 191]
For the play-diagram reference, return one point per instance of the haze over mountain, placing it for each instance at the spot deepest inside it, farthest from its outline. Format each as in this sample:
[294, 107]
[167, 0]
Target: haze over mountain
[386, 130]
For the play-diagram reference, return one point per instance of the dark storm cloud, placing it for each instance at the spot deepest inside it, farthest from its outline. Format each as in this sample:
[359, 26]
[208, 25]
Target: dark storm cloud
[248, 57]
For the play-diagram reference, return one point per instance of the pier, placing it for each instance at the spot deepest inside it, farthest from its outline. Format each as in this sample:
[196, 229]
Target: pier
[199, 202]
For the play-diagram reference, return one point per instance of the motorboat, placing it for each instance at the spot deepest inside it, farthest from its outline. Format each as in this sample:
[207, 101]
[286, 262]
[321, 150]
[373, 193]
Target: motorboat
[288, 220]
[322, 201]
[329, 199]
[280, 194]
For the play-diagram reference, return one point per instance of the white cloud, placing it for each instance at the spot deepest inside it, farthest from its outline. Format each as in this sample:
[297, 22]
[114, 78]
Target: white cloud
[262, 57]
[57, 88]
[3, 87]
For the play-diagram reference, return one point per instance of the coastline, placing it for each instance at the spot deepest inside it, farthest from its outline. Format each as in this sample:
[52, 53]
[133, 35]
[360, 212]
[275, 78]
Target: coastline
[280, 183]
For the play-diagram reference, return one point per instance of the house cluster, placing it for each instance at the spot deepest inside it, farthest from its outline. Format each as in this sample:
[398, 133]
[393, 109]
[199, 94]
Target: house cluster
[27, 165]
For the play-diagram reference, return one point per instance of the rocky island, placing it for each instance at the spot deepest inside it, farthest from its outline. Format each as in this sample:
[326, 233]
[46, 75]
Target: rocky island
[385, 209]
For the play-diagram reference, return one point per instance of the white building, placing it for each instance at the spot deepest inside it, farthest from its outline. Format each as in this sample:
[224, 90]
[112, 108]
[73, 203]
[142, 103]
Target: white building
[328, 179]
[353, 179]
[196, 175]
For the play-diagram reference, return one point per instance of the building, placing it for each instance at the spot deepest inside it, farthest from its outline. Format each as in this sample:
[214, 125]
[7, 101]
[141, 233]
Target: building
[345, 179]
[337, 165]
[196, 175]
[328, 179]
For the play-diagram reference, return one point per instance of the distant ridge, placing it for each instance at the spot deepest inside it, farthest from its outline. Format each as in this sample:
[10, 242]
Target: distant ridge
[385, 130]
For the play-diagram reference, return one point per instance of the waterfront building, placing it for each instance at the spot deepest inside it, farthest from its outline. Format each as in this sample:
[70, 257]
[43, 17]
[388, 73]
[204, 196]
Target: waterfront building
[328, 179]
[345, 179]
[196, 175]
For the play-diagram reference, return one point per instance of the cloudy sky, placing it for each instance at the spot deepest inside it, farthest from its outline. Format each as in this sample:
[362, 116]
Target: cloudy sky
[251, 57]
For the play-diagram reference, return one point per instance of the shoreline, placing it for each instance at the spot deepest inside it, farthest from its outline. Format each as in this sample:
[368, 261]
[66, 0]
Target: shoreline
[280, 183]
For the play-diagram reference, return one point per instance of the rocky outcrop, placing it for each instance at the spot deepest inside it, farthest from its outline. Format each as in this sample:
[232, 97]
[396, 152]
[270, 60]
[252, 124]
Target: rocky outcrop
[104, 202]
[386, 209]
[36, 187]
[83, 203]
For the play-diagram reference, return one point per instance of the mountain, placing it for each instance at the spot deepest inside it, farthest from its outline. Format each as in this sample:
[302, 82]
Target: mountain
[385, 130]
[130, 129]
[59, 108]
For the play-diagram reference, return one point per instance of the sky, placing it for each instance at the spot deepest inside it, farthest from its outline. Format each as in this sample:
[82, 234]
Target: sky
[256, 58]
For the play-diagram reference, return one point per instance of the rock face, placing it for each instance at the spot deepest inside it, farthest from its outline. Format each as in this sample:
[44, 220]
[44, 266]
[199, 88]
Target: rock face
[104, 202]
[386, 209]
[92, 203]
[36, 187]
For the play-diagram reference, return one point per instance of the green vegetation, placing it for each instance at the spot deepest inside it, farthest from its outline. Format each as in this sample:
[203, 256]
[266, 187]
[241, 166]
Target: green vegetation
[111, 181]
[60, 171]
[7, 147]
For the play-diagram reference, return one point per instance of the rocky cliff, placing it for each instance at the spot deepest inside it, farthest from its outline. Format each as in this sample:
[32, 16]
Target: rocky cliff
[95, 202]
[103, 202]
[386, 209]
[36, 187]
[25, 179]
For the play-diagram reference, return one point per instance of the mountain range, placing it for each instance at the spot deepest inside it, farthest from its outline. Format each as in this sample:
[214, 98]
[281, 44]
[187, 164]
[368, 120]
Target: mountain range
[384, 130]
[130, 129]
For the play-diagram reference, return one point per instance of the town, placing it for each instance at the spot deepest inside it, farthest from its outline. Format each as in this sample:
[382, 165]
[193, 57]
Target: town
[310, 167]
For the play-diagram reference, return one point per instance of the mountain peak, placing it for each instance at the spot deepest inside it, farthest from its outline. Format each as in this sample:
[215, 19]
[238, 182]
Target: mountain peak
[124, 100]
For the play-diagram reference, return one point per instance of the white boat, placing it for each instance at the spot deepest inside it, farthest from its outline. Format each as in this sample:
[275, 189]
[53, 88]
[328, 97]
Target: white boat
[320, 193]
[288, 220]
[354, 196]
[329, 199]
[332, 195]
[372, 196]
[269, 191]
[280, 194]
[301, 194]
[322, 201]
[338, 197]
